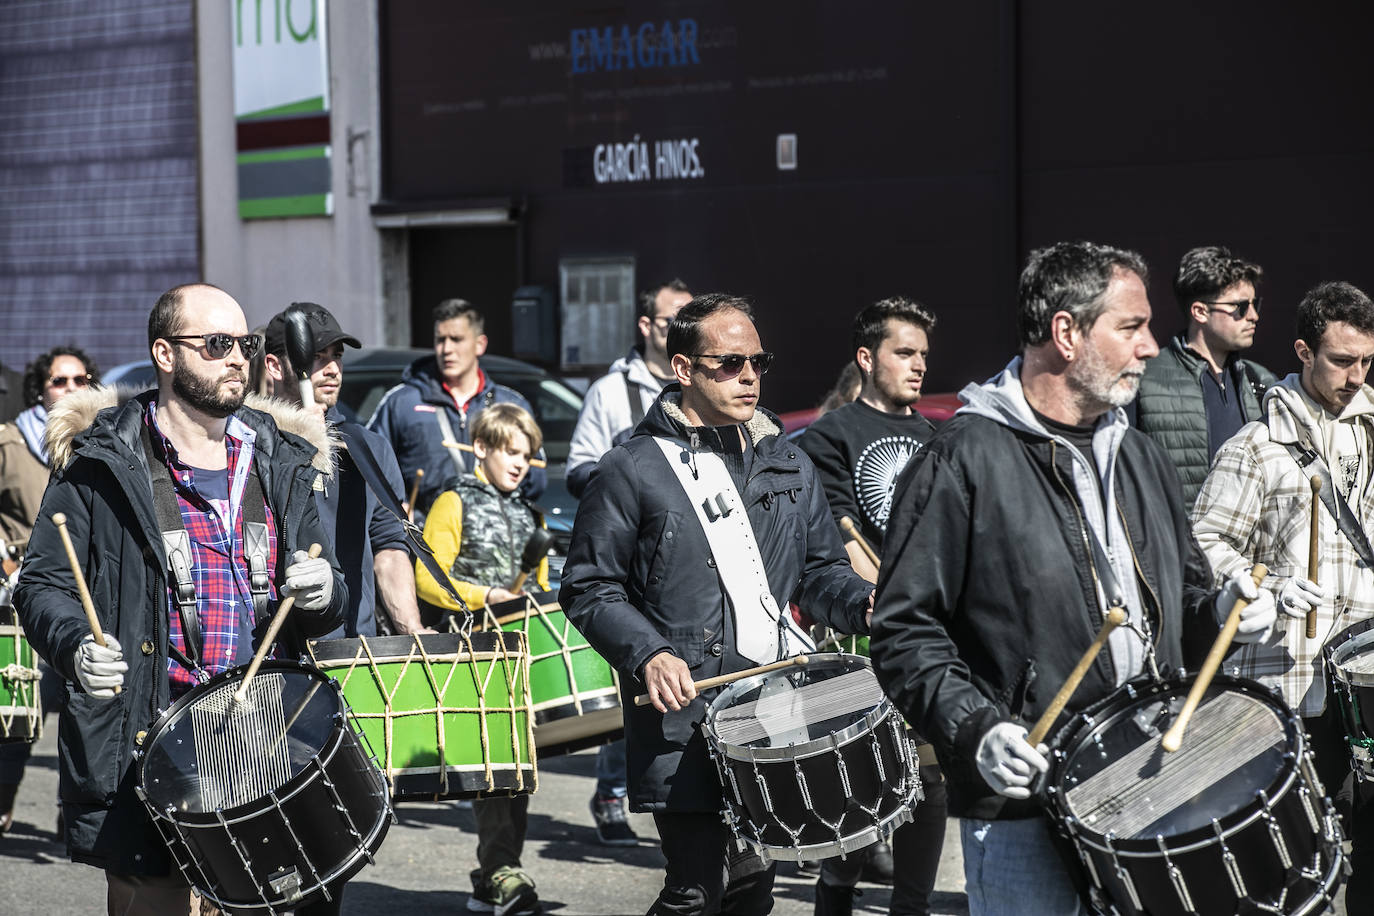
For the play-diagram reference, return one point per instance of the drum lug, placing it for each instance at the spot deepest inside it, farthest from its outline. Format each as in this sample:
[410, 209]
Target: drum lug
[1275, 832]
[287, 885]
[1176, 878]
[1121, 874]
[1229, 858]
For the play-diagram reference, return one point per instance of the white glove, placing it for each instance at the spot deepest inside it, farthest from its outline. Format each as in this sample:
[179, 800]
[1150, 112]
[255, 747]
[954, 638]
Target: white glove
[1258, 617]
[1299, 595]
[311, 582]
[1008, 762]
[99, 669]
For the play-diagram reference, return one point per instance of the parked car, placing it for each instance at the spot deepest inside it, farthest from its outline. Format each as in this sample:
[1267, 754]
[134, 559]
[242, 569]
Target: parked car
[937, 408]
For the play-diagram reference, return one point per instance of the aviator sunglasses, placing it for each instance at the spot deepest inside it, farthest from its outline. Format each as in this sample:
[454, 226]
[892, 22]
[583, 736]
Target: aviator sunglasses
[733, 363]
[218, 345]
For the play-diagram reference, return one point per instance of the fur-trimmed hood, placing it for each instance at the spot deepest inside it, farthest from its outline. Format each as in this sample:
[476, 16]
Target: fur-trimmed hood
[761, 425]
[77, 413]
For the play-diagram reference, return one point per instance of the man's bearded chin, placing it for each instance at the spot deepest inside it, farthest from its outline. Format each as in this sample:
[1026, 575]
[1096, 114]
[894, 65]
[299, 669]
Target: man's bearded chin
[204, 395]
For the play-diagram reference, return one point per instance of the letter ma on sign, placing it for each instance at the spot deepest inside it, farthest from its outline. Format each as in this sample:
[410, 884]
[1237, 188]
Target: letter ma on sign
[647, 46]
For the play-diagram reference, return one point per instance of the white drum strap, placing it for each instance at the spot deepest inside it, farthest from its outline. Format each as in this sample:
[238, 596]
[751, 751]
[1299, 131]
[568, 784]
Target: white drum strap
[759, 623]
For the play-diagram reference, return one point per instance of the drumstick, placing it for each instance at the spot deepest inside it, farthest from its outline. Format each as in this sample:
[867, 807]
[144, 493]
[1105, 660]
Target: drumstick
[270, 637]
[708, 683]
[1312, 570]
[1115, 618]
[60, 520]
[847, 526]
[414, 494]
[464, 447]
[1173, 738]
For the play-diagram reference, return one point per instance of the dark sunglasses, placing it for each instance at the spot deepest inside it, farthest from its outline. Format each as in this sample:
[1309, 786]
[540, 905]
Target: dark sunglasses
[733, 363]
[60, 381]
[1237, 309]
[217, 346]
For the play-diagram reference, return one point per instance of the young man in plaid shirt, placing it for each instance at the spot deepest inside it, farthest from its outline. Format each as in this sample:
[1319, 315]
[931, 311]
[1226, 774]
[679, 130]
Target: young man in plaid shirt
[222, 467]
[1256, 507]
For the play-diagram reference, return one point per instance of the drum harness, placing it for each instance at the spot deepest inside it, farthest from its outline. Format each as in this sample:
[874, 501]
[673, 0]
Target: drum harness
[1349, 526]
[177, 545]
[1116, 598]
[372, 475]
[713, 496]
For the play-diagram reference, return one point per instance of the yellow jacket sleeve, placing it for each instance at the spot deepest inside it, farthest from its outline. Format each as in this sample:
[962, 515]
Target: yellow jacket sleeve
[444, 534]
[541, 575]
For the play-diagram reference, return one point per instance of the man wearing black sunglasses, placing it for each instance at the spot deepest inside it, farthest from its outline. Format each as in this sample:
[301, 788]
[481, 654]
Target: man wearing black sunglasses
[652, 582]
[1198, 392]
[191, 515]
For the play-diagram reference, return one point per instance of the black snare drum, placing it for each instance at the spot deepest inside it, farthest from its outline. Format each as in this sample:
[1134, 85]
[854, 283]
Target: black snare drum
[1235, 821]
[264, 802]
[814, 762]
[1350, 669]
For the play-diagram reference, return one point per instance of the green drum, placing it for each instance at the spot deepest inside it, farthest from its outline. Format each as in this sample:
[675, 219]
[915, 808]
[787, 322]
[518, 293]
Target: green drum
[576, 692]
[450, 713]
[21, 717]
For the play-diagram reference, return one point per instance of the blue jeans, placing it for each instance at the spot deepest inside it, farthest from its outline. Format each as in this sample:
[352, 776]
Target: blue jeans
[610, 770]
[1013, 867]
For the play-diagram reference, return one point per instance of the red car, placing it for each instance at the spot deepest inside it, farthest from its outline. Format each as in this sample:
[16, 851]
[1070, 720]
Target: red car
[937, 408]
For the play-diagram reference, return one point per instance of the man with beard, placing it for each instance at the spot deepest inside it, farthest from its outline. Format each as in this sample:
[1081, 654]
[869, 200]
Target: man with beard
[613, 407]
[378, 565]
[1012, 532]
[859, 451]
[1199, 392]
[427, 418]
[191, 516]
[1256, 507]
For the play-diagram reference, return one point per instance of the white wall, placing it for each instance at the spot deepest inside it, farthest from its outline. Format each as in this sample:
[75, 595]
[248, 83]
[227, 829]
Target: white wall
[266, 264]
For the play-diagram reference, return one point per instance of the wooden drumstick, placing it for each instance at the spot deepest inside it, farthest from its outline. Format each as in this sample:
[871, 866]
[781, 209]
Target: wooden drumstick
[718, 680]
[1312, 558]
[847, 526]
[60, 520]
[1115, 618]
[414, 495]
[1173, 738]
[270, 637]
[465, 447]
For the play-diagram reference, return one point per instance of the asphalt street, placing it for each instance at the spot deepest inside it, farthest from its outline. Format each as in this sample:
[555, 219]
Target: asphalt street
[423, 865]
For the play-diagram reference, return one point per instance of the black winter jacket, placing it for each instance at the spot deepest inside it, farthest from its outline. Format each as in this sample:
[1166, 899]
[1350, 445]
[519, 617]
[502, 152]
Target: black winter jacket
[640, 579]
[102, 485]
[986, 599]
[1171, 410]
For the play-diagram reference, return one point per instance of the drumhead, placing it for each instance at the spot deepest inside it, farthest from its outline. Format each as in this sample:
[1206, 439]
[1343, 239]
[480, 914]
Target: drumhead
[832, 694]
[210, 752]
[1118, 780]
[1353, 659]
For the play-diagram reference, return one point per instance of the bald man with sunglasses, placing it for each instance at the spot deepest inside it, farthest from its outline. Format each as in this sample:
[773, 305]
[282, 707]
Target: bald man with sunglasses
[188, 472]
[653, 581]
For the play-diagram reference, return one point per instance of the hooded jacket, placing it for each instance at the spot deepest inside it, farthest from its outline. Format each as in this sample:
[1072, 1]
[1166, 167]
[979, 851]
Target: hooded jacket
[101, 482]
[640, 579]
[606, 419]
[1171, 409]
[1256, 507]
[406, 417]
[987, 597]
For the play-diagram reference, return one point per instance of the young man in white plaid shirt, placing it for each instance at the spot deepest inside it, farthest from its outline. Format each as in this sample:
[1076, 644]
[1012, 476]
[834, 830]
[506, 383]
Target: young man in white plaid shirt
[1256, 507]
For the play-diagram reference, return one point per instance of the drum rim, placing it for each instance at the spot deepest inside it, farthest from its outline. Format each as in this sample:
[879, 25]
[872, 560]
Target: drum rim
[809, 748]
[334, 653]
[883, 830]
[545, 601]
[1346, 649]
[159, 727]
[1092, 717]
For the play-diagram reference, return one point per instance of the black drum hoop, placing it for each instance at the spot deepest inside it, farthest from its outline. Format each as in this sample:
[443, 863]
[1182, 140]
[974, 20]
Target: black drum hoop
[388, 649]
[1113, 708]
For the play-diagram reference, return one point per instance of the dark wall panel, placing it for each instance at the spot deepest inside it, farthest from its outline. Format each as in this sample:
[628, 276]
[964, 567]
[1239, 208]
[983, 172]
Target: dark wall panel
[97, 171]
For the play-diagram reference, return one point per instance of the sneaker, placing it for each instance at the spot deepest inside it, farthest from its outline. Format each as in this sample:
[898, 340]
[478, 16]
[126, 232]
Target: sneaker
[510, 892]
[835, 901]
[612, 826]
[877, 864]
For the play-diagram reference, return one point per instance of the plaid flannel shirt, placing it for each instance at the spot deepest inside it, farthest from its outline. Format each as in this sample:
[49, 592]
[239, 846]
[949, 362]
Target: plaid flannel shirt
[1256, 507]
[219, 568]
